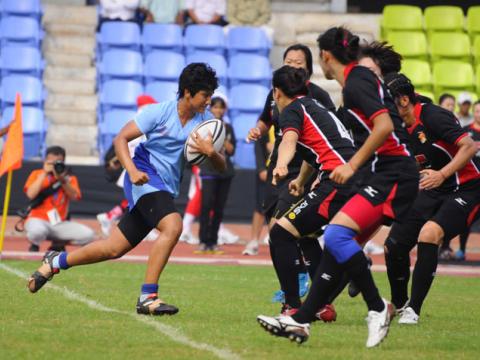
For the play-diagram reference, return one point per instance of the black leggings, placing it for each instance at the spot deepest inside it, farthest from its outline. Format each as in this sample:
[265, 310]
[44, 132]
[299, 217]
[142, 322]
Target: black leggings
[214, 197]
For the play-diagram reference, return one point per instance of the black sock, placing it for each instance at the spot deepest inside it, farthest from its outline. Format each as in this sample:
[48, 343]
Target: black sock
[463, 241]
[358, 270]
[423, 274]
[338, 290]
[286, 260]
[397, 259]
[312, 252]
[326, 280]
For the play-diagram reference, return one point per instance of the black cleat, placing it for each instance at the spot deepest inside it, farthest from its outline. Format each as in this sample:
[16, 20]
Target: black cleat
[38, 279]
[144, 307]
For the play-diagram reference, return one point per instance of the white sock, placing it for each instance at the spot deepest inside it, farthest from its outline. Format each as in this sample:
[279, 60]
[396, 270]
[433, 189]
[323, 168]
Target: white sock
[188, 220]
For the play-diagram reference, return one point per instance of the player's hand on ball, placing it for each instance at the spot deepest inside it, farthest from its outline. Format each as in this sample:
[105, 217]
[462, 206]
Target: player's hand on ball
[254, 134]
[279, 173]
[202, 146]
[295, 188]
[342, 173]
[138, 177]
[431, 179]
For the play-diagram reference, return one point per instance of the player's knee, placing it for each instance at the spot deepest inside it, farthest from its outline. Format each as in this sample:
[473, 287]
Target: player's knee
[431, 233]
[340, 242]
[394, 250]
[279, 236]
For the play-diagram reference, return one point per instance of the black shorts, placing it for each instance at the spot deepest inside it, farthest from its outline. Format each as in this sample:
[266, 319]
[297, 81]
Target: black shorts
[259, 194]
[145, 215]
[317, 208]
[454, 212]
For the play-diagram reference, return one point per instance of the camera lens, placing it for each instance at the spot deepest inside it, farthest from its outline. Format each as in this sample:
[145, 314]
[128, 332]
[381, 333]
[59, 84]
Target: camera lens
[59, 167]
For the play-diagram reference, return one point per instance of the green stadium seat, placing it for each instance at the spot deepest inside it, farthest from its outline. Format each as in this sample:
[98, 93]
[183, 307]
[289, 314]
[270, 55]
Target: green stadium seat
[410, 44]
[419, 72]
[477, 80]
[473, 21]
[444, 18]
[476, 49]
[455, 46]
[401, 18]
[427, 94]
[452, 76]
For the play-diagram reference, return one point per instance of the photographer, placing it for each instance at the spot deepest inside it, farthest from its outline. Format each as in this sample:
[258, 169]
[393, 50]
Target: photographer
[47, 220]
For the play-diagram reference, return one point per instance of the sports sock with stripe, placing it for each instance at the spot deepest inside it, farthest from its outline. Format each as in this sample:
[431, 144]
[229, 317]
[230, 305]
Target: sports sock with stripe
[148, 289]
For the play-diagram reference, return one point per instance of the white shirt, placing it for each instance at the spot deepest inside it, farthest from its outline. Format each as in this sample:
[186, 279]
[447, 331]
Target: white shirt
[205, 10]
[119, 9]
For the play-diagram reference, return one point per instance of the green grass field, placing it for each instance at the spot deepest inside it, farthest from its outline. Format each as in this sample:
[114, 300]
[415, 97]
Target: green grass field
[218, 306]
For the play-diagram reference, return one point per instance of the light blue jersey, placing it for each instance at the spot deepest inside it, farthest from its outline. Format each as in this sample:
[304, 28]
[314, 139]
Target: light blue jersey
[161, 155]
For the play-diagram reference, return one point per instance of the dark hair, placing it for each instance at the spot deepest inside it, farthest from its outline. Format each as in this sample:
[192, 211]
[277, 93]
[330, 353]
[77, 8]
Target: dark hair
[218, 100]
[445, 96]
[197, 77]
[400, 85]
[387, 59]
[308, 56]
[291, 81]
[55, 150]
[341, 43]
[476, 103]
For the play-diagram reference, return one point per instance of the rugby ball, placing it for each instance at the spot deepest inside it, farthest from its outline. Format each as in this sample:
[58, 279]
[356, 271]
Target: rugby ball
[213, 126]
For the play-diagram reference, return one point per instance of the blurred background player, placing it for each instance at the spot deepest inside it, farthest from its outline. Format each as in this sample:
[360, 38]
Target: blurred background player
[464, 101]
[447, 101]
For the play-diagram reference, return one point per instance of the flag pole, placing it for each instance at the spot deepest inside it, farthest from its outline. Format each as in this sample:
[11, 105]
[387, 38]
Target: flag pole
[6, 203]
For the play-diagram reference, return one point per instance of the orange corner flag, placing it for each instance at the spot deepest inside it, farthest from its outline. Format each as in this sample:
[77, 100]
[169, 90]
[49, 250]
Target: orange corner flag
[13, 147]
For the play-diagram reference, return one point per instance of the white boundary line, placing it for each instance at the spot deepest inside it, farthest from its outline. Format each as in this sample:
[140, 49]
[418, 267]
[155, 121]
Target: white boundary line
[169, 331]
[442, 269]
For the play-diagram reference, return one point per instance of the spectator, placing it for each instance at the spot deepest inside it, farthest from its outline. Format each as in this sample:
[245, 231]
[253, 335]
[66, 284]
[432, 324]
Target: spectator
[248, 12]
[447, 101]
[162, 11]
[48, 220]
[215, 186]
[464, 104]
[118, 10]
[206, 12]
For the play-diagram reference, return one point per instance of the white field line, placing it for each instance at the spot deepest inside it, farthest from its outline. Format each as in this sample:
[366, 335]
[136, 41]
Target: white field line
[442, 269]
[169, 331]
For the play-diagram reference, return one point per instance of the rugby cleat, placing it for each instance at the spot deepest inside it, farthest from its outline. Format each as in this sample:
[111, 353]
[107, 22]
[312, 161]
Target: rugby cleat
[399, 311]
[378, 324]
[285, 326]
[38, 278]
[408, 317]
[327, 313]
[152, 305]
[287, 310]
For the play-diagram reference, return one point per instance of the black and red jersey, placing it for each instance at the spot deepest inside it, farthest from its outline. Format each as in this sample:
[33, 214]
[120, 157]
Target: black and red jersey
[434, 137]
[365, 97]
[270, 117]
[475, 134]
[323, 141]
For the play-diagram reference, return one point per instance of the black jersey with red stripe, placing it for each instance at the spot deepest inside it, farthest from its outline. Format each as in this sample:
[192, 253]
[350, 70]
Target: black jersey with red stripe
[270, 117]
[323, 141]
[365, 97]
[475, 134]
[434, 137]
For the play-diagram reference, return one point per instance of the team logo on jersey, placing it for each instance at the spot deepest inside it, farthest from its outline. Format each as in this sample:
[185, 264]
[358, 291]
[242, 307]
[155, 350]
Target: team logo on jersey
[422, 137]
[292, 216]
[461, 201]
[370, 191]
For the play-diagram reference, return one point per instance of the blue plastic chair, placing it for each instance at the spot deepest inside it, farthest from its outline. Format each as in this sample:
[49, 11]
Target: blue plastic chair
[216, 62]
[121, 64]
[163, 66]
[21, 60]
[29, 87]
[16, 30]
[204, 38]
[119, 35]
[245, 68]
[244, 157]
[119, 94]
[113, 122]
[246, 39]
[243, 123]
[30, 8]
[247, 98]
[162, 37]
[162, 90]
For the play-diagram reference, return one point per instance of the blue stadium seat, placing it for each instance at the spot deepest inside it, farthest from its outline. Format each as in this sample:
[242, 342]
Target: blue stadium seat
[163, 66]
[243, 123]
[162, 37]
[121, 64]
[222, 90]
[245, 68]
[162, 90]
[119, 94]
[216, 62]
[119, 35]
[30, 8]
[247, 99]
[246, 39]
[29, 87]
[16, 30]
[244, 157]
[113, 122]
[34, 129]
[204, 38]
[21, 60]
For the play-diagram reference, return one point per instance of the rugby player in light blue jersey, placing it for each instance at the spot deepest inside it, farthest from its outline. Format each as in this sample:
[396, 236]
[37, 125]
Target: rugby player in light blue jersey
[152, 183]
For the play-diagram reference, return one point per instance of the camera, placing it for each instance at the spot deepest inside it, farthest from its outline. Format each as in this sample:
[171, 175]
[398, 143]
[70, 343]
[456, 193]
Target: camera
[59, 167]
